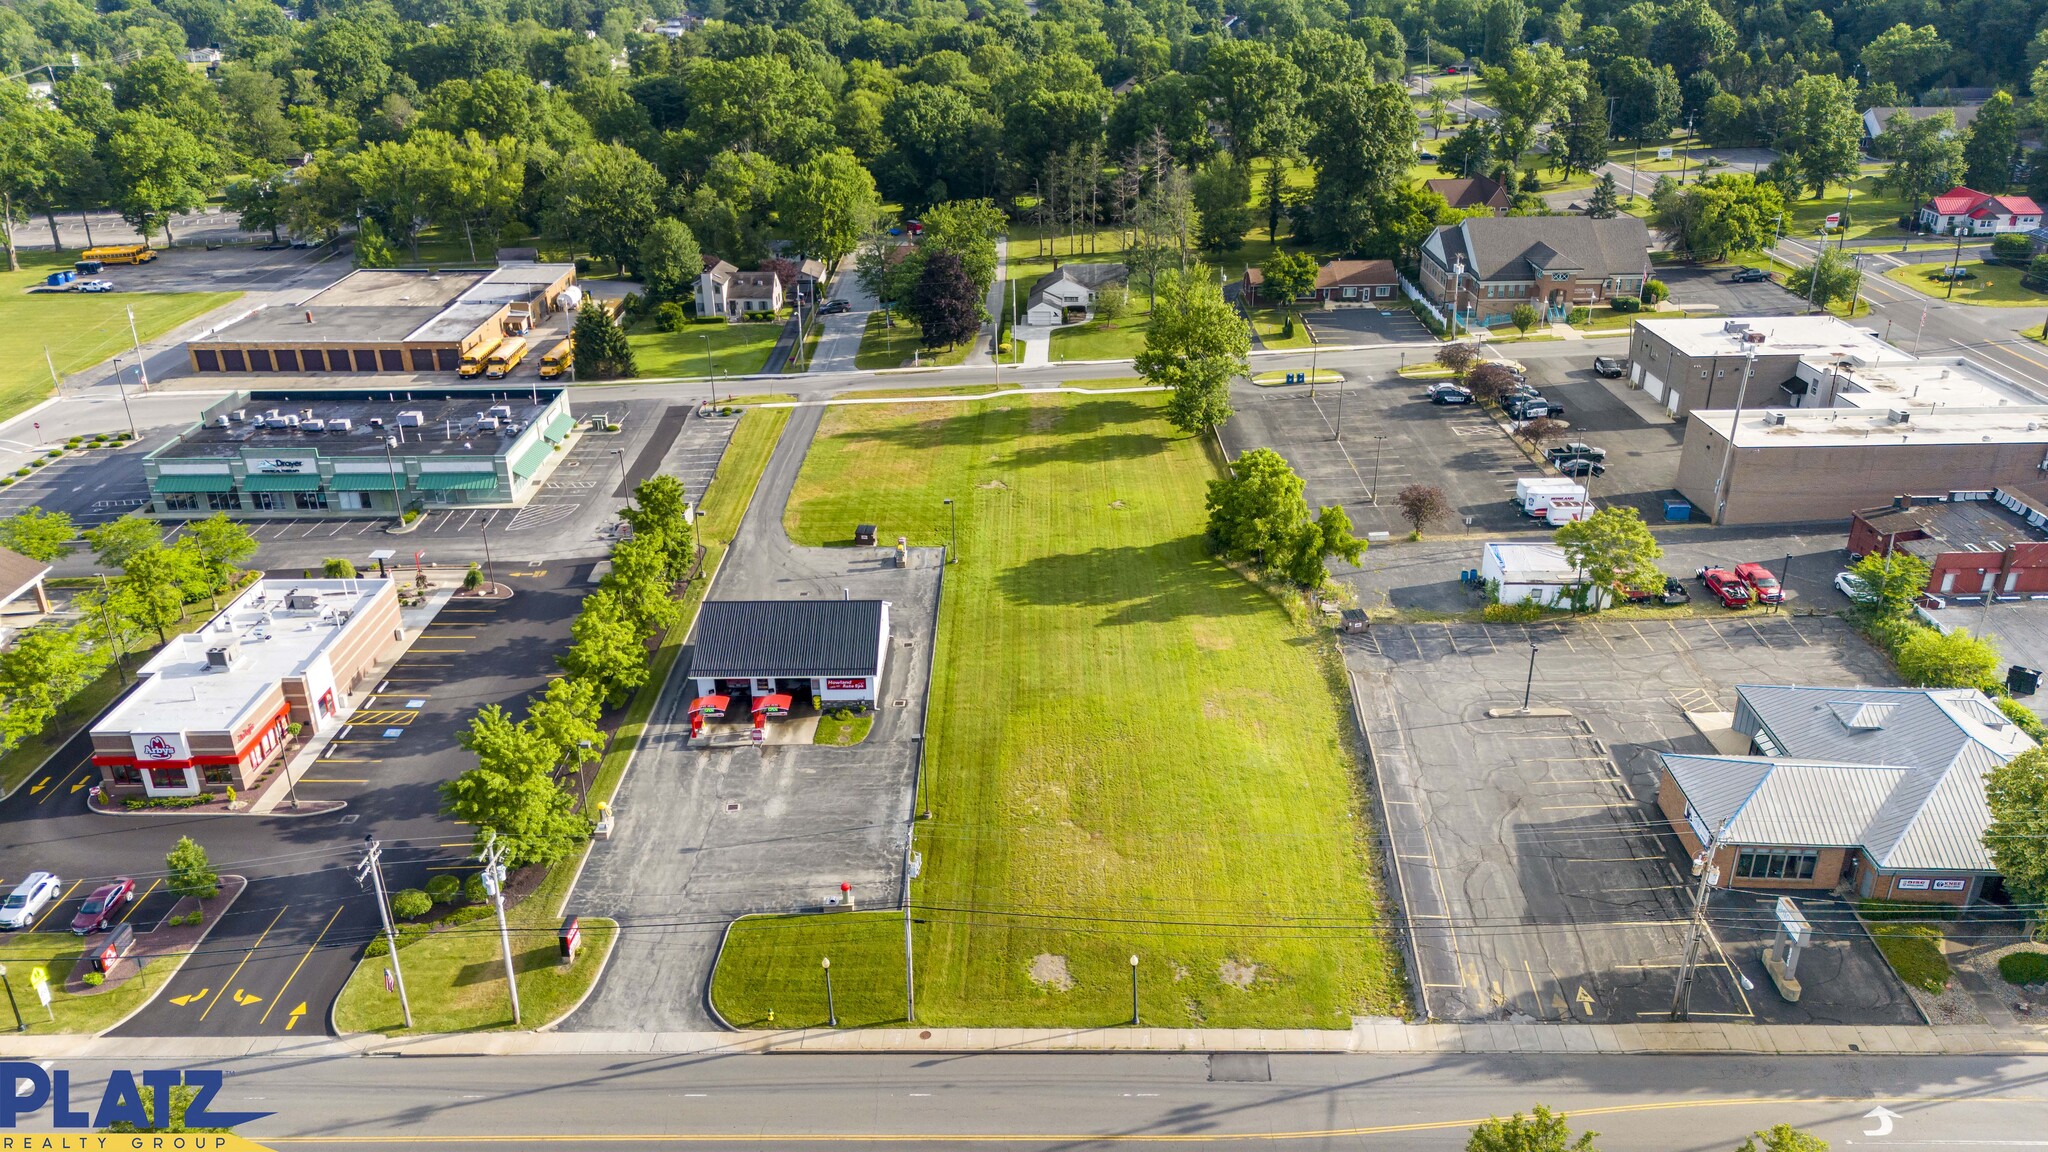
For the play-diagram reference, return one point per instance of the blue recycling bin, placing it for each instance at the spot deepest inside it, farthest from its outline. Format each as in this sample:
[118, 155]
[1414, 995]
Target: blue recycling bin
[1677, 511]
[59, 279]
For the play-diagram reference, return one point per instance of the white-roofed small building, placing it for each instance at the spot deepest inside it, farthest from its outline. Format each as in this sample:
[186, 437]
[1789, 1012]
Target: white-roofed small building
[1877, 789]
[1533, 574]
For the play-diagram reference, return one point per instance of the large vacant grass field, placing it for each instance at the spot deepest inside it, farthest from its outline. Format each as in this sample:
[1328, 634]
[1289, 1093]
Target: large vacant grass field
[79, 328]
[1132, 750]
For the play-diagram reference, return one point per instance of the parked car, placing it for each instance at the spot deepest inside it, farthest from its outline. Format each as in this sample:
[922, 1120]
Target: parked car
[28, 899]
[1531, 407]
[1852, 586]
[835, 307]
[1425, 154]
[1761, 582]
[1579, 469]
[88, 267]
[1608, 366]
[1750, 276]
[1449, 394]
[1726, 587]
[1672, 593]
[1575, 451]
[97, 913]
[93, 286]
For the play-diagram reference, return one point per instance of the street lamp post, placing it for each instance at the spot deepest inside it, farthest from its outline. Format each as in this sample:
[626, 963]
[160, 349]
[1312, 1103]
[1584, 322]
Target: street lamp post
[1457, 282]
[831, 1012]
[619, 454]
[490, 577]
[1955, 264]
[397, 490]
[1134, 990]
[953, 550]
[19, 1026]
[709, 376]
[1529, 685]
[123, 386]
[1379, 444]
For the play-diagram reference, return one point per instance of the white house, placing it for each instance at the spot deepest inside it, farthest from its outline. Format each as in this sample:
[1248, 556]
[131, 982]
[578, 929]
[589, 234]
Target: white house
[1067, 295]
[724, 290]
[1978, 213]
[1534, 574]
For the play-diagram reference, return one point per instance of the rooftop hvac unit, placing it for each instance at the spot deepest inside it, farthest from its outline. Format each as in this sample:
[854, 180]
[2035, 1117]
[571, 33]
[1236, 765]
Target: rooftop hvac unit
[272, 414]
[411, 418]
[220, 421]
[487, 423]
[240, 414]
[1735, 327]
[305, 413]
[1775, 419]
[225, 655]
[299, 600]
[376, 421]
[1754, 337]
[1899, 416]
[291, 421]
[313, 426]
[341, 425]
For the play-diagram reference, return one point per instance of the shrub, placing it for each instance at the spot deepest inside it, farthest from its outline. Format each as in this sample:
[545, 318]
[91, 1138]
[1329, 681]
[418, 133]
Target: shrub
[473, 889]
[472, 580]
[5, 481]
[55, 452]
[411, 514]
[38, 462]
[95, 979]
[410, 904]
[669, 317]
[21, 471]
[1523, 613]
[2023, 716]
[338, 568]
[2012, 248]
[407, 933]
[1656, 292]
[2024, 967]
[443, 889]
[1579, 316]
[468, 914]
[1626, 304]
[583, 266]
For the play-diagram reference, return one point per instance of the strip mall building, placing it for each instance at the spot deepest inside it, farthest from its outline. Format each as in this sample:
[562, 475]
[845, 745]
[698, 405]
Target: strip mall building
[213, 709]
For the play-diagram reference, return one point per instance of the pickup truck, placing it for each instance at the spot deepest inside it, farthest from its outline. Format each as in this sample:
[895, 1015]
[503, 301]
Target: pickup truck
[1672, 593]
[1575, 451]
[1726, 587]
[1762, 583]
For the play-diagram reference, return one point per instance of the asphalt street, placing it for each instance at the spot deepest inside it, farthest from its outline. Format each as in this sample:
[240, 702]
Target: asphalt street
[1072, 1102]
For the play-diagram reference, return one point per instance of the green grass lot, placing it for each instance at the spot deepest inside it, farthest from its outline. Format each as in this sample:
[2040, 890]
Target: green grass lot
[1910, 938]
[445, 247]
[80, 329]
[1132, 749]
[456, 977]
[1874, 212]
[884, 347]
[901, 393]
[736, 349]
[1996, 285]
[56, 952]
[840, 733]
[1269, 323]
[769, 975]
[1118, 339]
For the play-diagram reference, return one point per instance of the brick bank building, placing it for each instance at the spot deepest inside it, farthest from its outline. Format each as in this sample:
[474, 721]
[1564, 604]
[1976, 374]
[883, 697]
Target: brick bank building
[1877, 790]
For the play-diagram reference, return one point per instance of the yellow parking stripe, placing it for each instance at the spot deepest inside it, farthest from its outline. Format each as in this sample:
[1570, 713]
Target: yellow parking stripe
[137, 902]
[54, 905]
[302, 963]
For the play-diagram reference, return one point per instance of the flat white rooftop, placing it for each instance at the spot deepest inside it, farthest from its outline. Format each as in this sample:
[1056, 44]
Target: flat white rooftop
[1782, 336]
[1942, 382]
[182, 691]
[1836, 427]
[1532, 563]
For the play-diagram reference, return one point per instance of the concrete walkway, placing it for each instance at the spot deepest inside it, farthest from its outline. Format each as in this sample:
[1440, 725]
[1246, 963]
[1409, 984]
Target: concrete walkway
[1037, 345]
[986, 338]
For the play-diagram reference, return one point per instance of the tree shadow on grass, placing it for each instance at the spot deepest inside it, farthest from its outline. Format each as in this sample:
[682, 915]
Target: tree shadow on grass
[998, 421]
[1144, 584]
[1085, 448]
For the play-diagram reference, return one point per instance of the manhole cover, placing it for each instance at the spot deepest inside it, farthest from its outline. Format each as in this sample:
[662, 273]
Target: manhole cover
[732, 807]
[900, 703]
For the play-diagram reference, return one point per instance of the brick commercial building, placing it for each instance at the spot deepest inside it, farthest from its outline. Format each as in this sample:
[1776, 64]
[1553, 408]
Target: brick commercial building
[1689, 364]
[1341, 284]
[1880, 790]
[383, 320]
[1482, 268]
[1975, 543]
[213, 709]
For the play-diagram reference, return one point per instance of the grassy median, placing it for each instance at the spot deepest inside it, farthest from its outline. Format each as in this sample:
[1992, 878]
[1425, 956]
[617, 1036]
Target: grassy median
[57, 953]
[1132, 750]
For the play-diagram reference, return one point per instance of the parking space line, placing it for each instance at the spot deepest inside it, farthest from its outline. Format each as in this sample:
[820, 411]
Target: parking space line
[245, 960]
[54, 905]
[1746, 1009]
[302, 963]
[137, 902]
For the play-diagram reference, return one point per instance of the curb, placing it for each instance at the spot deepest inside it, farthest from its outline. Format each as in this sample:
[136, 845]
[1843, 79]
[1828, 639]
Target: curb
[611, 949]
[189, 813]
[173, 974]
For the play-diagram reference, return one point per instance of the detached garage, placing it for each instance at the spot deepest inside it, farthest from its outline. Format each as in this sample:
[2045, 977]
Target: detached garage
[828, 649]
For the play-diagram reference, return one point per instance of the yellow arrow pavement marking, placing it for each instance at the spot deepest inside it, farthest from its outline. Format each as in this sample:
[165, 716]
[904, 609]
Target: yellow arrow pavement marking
[82, 782]
[245, 999]
[249, 953]
[39, 785]
[1585, 1001]
[279, 998]
[535, 572]
[293, 1021]
[193, 998]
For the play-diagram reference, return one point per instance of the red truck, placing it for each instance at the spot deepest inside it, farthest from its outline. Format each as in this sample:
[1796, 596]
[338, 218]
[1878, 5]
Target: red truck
[1726, 587]
[1762, 583]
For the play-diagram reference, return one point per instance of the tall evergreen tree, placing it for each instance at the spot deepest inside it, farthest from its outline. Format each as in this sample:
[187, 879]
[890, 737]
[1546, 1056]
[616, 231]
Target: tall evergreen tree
[602, 351]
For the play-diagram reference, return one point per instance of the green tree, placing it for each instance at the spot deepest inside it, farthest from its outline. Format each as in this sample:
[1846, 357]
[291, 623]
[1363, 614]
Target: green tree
[1690, 36]
[1613, 548]
[1604, 203]
[945, 301]
[1927, 155]
[1728, 212]
[827, 204]
[1830, 280]
[220, 544]
[639, 578]
[2017, 792]
[485, 185]
[1524, 317]
[605, 649]
[1329, 534]
[1584, 132]
[44, 668]
[154, 582]
[968, 229]
[29, 133]
[1820, 131]
[1903, 56]
[37, 534]
[1222, 192]
[404, 184]
[602, 350]
[1288, 277]
[1931, 658]
[1259, 103]
[1993, 145]
[1543, 1131]
[338, 568]
[257, 198]
[188, 872]
[1783, 1138]
[607, 196]
[1459, 356]
[118, 539]
[669, 260]
[1258, 514]
[1195, 344]
[1420, 504]
[157, 168]
[1645, 97]
[658, 513]
[1895, 580]
[566, 716]
[512, 791]
[1363, 142]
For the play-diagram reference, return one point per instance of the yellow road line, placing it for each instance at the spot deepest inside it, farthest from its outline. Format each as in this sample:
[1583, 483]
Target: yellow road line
[54, 905]
[137, 902]
[302, 962]
[245, 959]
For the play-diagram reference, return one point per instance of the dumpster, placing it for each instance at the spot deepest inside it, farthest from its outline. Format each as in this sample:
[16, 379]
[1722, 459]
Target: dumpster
[2022, 681]
[864, 534]
[118, 942]
[59, 279]
[1677, 511]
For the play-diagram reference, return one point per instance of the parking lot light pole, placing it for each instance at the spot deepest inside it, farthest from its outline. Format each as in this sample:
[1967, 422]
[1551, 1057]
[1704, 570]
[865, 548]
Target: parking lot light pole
[1379, 444]
[831, 1012]
[142, 369]
[709, 377]
[1529, 685]
[1134, 989]
[953, 551]
[619, 454]
[19, 1026]
[397, 492]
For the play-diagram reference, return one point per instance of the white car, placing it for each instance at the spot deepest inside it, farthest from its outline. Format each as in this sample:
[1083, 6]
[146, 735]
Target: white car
[1852, 586]
[28, 899]
[93, 286]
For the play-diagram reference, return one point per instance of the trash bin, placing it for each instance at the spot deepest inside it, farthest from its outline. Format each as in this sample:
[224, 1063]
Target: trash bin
[864, 534]
[1677, 511]
[2022, 681]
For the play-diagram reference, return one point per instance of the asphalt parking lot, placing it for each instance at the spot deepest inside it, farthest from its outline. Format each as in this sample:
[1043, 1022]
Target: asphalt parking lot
[1642, 455]
[1532, 867]
[1393, 325]
[1393, 437]
[91, 487]
[1699, 287]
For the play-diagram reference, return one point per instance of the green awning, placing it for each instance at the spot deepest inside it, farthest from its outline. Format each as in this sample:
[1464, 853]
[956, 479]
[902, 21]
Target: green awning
[528, 462]
[458, 481]
[365, 482]
[558, 428]
[195, 482]
[257, 482]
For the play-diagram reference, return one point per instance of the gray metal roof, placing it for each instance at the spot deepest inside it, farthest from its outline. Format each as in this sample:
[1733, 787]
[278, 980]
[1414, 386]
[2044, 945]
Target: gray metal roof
[788, 638]
[1766, 801]
[1513, 248]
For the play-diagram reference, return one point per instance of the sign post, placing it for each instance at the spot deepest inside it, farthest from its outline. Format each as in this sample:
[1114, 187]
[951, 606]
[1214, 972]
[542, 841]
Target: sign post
[40, 977]
[1781, 959]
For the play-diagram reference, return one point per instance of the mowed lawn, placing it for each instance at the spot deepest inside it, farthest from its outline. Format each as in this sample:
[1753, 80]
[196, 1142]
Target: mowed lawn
[80, 329]
[1132, 750]
[734, 349]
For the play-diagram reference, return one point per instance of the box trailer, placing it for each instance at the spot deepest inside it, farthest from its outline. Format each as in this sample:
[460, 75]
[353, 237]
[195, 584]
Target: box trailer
[1533, 494]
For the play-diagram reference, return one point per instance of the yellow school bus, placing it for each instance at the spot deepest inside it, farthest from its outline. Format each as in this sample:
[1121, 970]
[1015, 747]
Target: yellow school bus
[506, 358]
[474, 360]
[558, 359]
[120, 254]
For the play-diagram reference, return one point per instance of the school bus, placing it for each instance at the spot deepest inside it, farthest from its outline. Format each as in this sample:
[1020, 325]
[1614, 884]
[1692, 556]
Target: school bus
[506, 358]
[558, 359]
[120, 254]
[474, 360]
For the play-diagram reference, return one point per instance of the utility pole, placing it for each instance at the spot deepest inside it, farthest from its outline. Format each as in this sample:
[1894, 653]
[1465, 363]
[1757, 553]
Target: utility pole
[373, 855]
[494, 884]
[113, 638]
[1709, 876]
[1734, 422]
[141, 369]
[56, 381]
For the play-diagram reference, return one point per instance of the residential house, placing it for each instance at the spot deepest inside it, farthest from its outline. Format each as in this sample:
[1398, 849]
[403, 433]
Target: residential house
[1481, 268]
[205, 60]
[1468, 193]
[724, 290]
[1879, 790]
[1977, 213]
[1875, 119]
[1341, 284]
[1066, 295]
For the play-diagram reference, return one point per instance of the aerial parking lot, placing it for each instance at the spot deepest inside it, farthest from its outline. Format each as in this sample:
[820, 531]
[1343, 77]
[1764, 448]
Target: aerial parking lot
[1534, 870]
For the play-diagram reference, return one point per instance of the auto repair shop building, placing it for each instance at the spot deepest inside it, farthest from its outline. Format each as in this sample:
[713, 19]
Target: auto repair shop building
[831, 649]
[212, 710]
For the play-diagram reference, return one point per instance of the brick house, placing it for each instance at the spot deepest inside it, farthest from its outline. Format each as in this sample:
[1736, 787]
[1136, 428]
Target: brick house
[1974, 542]
[1482, 268]
[1341, 284]
[1470, 192]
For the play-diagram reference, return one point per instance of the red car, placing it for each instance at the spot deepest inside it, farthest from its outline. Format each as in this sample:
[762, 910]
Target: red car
[97, 913]
[1761, 582]
[1726, 587]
